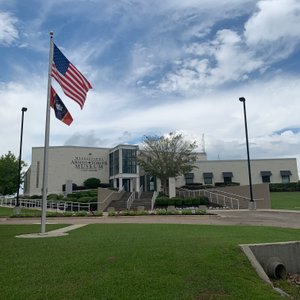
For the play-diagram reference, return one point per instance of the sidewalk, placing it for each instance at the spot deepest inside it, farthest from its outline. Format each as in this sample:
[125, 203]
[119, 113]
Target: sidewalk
[288, 219]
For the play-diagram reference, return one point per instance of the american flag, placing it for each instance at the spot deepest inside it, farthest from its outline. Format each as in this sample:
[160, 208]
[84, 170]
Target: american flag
[72, 82]
[61, 112]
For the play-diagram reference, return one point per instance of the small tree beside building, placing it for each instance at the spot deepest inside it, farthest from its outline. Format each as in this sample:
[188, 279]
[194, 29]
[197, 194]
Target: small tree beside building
[167, 156]
[9, 173]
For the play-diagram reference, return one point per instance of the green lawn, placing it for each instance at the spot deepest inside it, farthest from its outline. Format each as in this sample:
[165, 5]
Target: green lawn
[135, 261]
[285, 200]
[7, 212]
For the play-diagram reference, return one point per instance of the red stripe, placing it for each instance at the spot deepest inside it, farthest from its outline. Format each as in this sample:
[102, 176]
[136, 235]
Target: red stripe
[74, 84]
[68, 80]
[68, 88]
[83, 79]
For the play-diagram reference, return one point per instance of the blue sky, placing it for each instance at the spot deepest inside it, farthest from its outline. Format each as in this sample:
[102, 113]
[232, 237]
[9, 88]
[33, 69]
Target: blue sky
[156, 67]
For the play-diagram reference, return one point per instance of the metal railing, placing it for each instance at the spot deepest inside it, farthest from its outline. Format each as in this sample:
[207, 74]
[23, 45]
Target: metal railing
[224, 200]
[140, 192]
[229, 200]
[59, 206]
[130, 200]
[154, 196]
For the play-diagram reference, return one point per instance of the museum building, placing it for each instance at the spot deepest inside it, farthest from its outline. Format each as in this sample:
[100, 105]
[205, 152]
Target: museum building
[118, 167]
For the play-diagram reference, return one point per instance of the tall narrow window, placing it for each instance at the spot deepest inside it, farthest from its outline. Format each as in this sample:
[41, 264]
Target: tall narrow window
[37, 174]
[129, 161]
[189, 178]
[207, 178]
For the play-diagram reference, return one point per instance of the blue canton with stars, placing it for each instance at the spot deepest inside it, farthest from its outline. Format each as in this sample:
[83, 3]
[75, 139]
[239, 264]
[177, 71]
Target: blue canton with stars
[60, 61]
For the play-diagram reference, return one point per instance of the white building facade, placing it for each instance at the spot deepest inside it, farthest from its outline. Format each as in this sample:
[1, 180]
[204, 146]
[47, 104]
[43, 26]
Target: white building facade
[118, 167]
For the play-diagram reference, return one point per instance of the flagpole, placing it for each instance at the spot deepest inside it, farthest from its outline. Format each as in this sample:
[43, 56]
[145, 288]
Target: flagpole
[46, 145]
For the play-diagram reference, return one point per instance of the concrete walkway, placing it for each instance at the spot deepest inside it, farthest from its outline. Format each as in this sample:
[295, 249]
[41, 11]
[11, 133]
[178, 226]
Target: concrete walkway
[278, 218]
[54, 233]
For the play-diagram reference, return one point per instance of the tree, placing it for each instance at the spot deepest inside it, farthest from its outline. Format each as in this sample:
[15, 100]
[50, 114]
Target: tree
[167, 156]
[92, 183]
[9, 172]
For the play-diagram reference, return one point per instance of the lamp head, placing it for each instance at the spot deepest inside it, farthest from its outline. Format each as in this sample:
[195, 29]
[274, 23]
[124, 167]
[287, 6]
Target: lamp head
[242, 99]
[24, 109]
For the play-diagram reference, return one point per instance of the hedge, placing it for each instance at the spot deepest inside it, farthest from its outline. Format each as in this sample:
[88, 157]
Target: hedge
[285, 187]
[179, 202]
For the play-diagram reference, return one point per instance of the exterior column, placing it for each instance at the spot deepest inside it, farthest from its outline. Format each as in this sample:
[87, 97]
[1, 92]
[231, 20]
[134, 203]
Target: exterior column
[120, 183]
[131, 185]
[137, 184]
[115, 183]
[172, 187]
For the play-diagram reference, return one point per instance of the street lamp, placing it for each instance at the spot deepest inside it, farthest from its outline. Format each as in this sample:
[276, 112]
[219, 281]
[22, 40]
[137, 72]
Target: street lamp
[251, 202]
[20, 159]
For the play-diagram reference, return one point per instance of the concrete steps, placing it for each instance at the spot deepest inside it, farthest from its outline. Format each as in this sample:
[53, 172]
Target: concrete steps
[145, 200]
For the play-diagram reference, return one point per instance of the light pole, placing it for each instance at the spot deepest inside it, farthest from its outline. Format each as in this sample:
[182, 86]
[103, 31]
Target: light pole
[20, 160]
[251, 202]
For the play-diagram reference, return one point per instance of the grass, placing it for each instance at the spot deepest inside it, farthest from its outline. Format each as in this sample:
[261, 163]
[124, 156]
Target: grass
[285, 200]
[135, 261]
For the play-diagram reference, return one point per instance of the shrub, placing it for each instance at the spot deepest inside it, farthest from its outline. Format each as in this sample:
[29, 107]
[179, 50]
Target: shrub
[81, 213]
[96, 213]
[162, 201]
[111, 213]
[179, 202]
[68, 214]
[162, 212]
[187, 202]
[187, 212]
[204, 200]
[54, 197]
[196, 201]
[285, 187]
[222, 184]
[87, 199]
[193, 186]
[92, 183]
[36, 197]
[73, 196]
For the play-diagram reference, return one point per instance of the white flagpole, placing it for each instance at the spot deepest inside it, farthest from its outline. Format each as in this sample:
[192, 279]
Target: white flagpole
[46, 146]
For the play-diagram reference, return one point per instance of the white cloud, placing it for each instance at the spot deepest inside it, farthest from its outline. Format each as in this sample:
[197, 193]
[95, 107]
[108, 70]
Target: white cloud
[8, 30]
[275, 20]
[275, 28]
[221, 60]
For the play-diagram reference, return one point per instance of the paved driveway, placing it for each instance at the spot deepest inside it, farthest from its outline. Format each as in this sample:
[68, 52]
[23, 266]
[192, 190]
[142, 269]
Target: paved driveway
[221, 217]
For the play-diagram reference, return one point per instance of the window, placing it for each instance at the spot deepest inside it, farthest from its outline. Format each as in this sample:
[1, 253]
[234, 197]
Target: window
[285, 176]
[37, 174]
[208, 178]
[114, 163]
[189, 178]
[129, 161]
[227, 176]
[265, 176]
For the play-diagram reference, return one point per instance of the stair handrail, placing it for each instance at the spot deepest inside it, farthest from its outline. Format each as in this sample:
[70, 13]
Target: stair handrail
[216, 193]
[236, 195]
[140, 192]
[130, 200]
[154, 196]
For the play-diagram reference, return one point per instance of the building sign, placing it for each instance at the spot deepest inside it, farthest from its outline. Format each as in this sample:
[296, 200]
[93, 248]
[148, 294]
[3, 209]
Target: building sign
[88, 163]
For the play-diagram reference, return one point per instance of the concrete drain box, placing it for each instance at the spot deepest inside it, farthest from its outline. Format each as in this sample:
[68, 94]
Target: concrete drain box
[274, 260]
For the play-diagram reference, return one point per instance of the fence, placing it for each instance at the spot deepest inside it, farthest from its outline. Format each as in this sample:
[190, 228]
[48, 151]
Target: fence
[51, 205]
